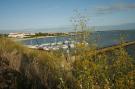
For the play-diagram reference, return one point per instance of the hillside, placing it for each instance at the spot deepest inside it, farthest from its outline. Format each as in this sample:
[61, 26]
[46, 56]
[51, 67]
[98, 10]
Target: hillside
[23, 68]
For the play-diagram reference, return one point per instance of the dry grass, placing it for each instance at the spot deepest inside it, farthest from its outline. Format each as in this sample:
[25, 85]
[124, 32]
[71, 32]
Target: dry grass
[110, 68]
[33, 63]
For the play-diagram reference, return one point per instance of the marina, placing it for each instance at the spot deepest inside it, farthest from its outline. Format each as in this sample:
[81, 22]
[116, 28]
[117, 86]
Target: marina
[100, 38]
[53, 46]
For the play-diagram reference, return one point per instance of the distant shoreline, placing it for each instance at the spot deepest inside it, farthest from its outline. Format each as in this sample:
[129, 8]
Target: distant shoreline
[20, 39]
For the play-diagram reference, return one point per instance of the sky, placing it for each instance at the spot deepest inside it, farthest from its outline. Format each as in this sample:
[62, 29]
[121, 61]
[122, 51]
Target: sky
[56, 14]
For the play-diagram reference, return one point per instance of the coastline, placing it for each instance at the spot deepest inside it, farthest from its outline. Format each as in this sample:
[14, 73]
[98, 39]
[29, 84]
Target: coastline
[20, 39]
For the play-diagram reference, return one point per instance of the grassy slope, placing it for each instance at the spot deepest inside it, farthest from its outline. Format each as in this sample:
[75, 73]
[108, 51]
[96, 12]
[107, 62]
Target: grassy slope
[33, 63]
[49, 70]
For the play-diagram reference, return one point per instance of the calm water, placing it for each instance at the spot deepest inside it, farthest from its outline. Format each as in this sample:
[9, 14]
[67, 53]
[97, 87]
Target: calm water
[101, 38]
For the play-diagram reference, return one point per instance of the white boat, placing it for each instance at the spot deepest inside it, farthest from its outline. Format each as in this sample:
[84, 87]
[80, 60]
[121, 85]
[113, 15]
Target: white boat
[55, 48]
[31, 46]
[72, 45]
[46, 48]
[64, 46]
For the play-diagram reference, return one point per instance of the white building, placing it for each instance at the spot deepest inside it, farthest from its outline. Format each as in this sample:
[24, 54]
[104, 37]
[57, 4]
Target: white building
[19, 35]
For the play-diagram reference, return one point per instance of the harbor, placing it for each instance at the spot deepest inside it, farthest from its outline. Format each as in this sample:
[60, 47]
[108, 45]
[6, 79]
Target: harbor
[53, 46]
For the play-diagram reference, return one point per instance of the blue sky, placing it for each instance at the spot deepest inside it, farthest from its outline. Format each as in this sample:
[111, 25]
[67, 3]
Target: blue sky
[42, 14]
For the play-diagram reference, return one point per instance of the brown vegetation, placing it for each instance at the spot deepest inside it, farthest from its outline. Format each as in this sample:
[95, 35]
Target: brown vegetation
[23, 68]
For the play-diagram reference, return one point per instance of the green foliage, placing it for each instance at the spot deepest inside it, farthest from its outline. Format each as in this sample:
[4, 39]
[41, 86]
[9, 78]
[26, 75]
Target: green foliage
[111, 70]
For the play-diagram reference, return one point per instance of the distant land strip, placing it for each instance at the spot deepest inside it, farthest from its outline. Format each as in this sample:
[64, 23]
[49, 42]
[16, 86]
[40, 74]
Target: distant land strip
[129, 46]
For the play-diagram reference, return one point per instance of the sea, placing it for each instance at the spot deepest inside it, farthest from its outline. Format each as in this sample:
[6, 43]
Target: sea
[100, 38]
